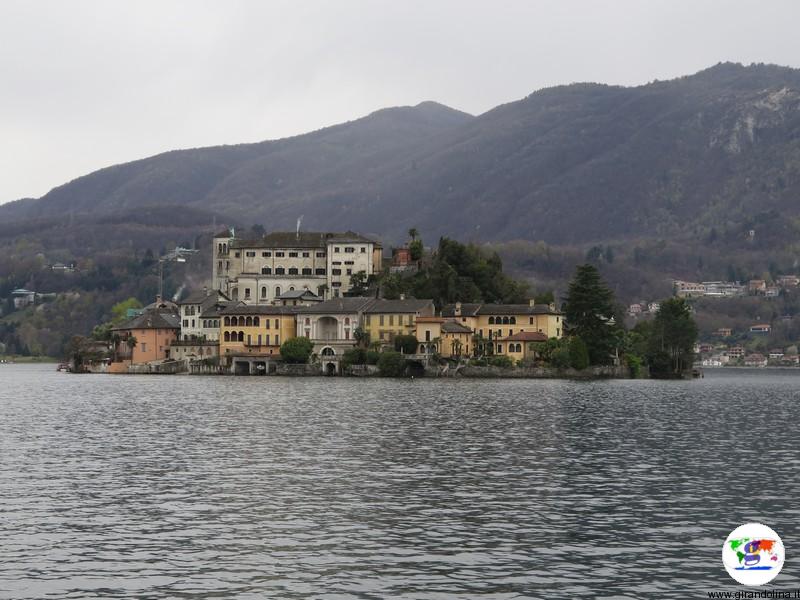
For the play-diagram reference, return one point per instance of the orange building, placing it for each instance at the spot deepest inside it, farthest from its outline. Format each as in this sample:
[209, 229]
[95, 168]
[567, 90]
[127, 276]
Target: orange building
[152, 333]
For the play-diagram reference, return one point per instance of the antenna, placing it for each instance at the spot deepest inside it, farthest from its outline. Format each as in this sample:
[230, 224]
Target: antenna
[297, 232]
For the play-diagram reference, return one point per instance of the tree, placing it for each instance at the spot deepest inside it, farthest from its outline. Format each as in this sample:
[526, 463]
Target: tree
[407, 344]
[119, 311]
[297, 350]
[131, 344]
[589, 312]
[258, 231]
[544, 298]
[578, 353]
[391, 364]
[416, 249]
[359, 284]
[671, 344]
[413, 233]
[361, 336]
[353, 356]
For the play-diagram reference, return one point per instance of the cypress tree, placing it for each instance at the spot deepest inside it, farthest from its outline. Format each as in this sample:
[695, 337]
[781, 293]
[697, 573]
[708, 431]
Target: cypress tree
[588, 312]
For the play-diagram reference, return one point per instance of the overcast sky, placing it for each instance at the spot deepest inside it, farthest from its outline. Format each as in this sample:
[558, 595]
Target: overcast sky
[87, 84]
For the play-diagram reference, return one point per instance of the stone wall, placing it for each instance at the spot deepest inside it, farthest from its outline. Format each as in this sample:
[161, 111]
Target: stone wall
[599, 372]
[297, 370]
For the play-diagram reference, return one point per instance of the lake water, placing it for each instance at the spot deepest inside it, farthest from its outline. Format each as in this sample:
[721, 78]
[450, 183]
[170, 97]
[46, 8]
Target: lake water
[223, 487]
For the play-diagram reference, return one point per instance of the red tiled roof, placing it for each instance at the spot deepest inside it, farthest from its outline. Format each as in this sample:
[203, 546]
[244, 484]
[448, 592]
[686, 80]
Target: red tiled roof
[526, 336]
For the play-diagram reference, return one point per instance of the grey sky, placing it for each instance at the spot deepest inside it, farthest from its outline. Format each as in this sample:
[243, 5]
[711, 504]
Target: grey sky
[87, 84]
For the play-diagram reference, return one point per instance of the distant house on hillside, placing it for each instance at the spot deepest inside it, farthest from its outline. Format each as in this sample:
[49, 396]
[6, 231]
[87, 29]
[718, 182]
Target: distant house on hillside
[760, 328]
[755, 360]
[23, 297]
[756, 286]
[735, 352]
[724, 332]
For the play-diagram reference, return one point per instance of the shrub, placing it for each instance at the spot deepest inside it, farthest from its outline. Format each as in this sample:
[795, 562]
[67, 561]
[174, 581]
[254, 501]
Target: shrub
[296, 350]
[478, 362]
[634, 364]
[407, 344]
[578, 354]
[391, 364]
[372, 357]
[505, 362]
[559, 358]
[354, 356]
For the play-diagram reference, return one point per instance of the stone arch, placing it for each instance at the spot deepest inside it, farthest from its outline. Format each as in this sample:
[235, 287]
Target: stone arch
[327, 328]
[248, 322]
[327, 351]
[256, 322]
[241, 336]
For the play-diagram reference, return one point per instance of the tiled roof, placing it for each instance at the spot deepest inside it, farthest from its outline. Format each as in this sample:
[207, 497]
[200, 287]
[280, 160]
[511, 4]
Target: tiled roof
[294, 294]
[151, 319]
[338, 305]
[517, 309]
[408, 305]
[455, 327]
[203, 297]
[303, 239]
[215, 310]
[225, 233]
[526, 336]
[467, 310]
[258, 309]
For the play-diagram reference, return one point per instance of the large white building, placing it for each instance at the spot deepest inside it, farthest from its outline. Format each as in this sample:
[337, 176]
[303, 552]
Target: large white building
[256, 271]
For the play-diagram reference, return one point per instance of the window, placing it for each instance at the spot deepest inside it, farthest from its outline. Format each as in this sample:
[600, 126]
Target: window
[531, 321]
[256, 321]
[250, 254]
[307, 271]
[227, 321]
[277, 290]
[277, 340]
[336, 284]
[266, 322]
[248, 322]
[319, 271]
[336, 262]
[363, 249]
[513, 320]
[277, 326]
[428, 335]
[266, 339]
[347, 320]
[227, 336]
[144, 347]
[336, 250]
[336, 271]
[293, 271]
[349, 249]
[266, 254]
[291, 289]
[186, 322]
[381, 335]
[241, 336]
[259, 339]
[264, 292]
[227, 265]
[279, 254]
[237, 254]
[505, 320]
[219, 265]
[249, 339]
[320, 255]
[381, 320]
[499, 348]
[410, 319]
[391, 320]
[349, 262]
[349, 271]
[266, 270]
[192, 322]
[280, 271]
[368, 320]
[246, 292]
[491, 320]
[292, 254]
[510, 331]
[306, 254]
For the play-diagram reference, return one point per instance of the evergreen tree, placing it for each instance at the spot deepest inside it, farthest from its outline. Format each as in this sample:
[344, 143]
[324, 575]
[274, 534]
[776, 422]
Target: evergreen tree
[671, 343]
[589, 312]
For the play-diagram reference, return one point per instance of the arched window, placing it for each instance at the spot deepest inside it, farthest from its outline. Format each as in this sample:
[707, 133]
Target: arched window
[505, 320]
[266, 270]
[513, 320]
[277, 291]
[308, 321]
[219, 248]
[224, 248]
[280, 271]
[241, 336]
[227, 321]
[248, 322]
[235, 293]
[347, 320]
[491, 320]
[293, 271]
[227, 336]
[291, 289]
[256, 322]
[264, 292]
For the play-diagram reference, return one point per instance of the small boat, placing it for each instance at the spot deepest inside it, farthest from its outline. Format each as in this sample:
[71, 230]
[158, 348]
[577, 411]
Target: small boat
[62, 367]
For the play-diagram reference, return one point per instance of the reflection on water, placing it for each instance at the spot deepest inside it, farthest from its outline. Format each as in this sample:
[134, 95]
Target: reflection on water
[220, 487]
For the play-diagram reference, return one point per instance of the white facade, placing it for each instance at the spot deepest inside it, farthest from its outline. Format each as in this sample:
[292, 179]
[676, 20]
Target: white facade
[257, 271]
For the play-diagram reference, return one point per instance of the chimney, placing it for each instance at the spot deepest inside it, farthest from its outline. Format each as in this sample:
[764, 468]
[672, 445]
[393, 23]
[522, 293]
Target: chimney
[205, 290]
[532, 302]
[552, 306]
[457, 311]
[402, 296]
[158, 300]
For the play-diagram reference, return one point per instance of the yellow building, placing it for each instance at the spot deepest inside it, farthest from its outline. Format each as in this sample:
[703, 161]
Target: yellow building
[497, 321]
[255, 330]
[444, 336]
[385, 319]
[519, 346]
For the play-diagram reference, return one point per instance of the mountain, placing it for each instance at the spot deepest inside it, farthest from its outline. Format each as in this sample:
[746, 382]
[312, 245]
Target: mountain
[569, 164]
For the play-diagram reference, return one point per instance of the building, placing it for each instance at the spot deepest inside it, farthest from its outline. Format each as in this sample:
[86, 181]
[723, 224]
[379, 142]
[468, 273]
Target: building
[255, 330]
[735, 352]
[722, 289]
[688, 289]
[521, 345]
[200, 314]
[297, 298]
[772, 291]
[755, 360]
[635, 309]
[256, 271]
[788, 280]
[724, 332]
[653, 307]
[494, 321]
[776, 354]
[23, 297]
[760, 328]
[386, 319]
[756, 286]
[445, 337]
[152, 332]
